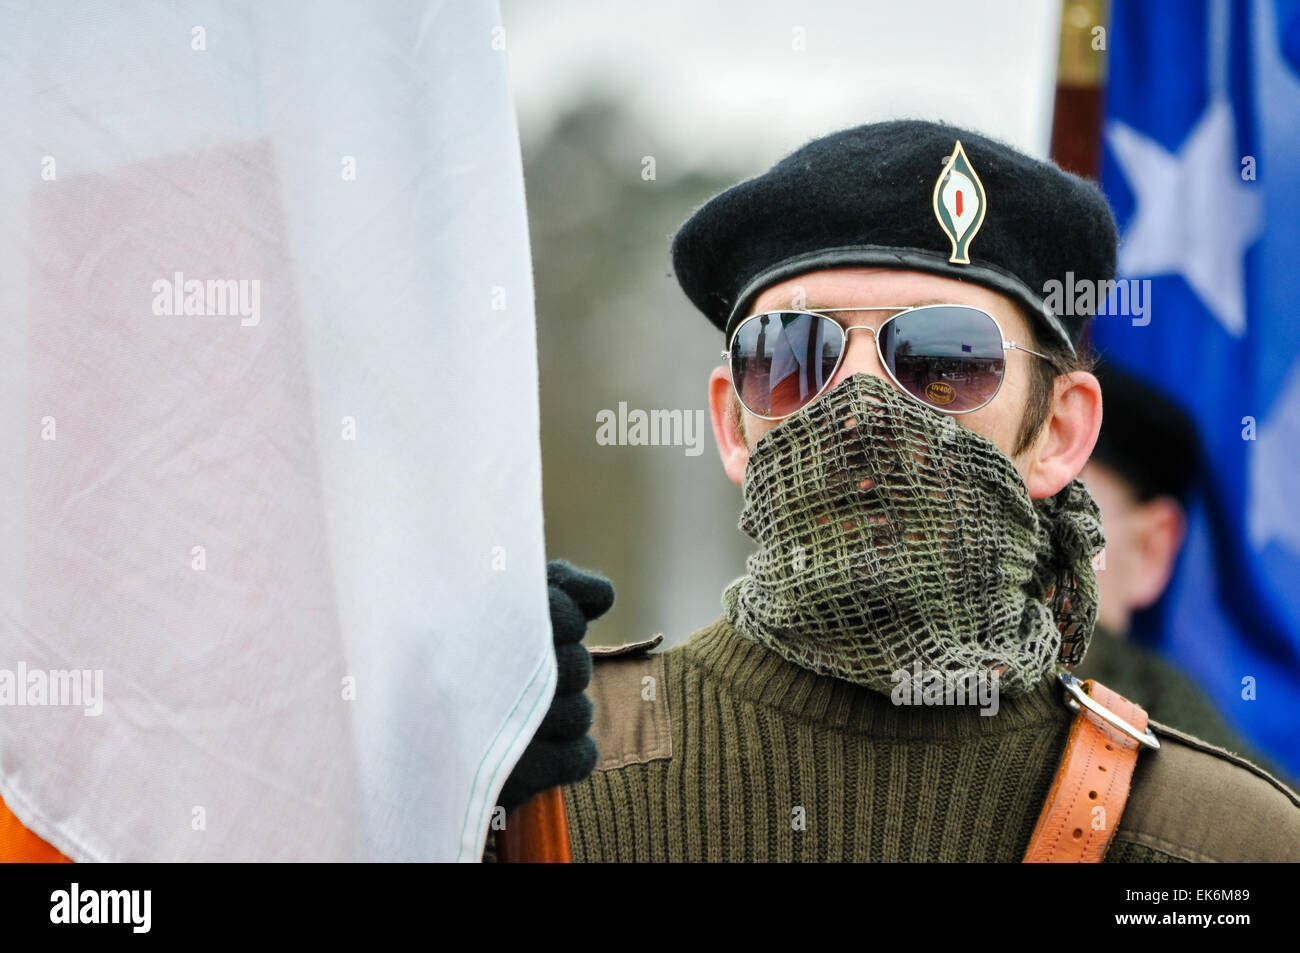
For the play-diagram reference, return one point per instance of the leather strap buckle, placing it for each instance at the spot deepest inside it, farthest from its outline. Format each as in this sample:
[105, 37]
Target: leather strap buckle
[1077, 697]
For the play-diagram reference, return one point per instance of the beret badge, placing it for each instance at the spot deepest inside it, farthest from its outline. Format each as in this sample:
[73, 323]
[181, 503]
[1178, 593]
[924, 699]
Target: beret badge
[959, 203]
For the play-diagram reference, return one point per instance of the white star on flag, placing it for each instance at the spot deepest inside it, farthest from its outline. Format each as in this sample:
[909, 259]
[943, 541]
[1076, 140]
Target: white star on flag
[1194, 216]
[1272, 514]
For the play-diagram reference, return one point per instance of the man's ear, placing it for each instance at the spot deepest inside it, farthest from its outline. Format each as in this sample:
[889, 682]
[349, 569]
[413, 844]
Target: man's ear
[1159, 528]
[727, 426]
[1068, 435]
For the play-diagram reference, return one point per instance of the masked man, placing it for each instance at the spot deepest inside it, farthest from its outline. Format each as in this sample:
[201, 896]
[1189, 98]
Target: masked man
[907, 419]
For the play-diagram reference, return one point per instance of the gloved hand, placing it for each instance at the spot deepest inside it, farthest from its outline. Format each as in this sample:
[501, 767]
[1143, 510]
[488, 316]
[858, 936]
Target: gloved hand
[562, 752]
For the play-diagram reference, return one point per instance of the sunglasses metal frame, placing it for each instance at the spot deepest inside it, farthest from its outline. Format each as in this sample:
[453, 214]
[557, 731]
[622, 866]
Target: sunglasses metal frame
[844, 347]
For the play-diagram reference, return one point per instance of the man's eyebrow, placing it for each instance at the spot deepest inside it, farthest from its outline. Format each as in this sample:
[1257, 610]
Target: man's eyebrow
[838, 309]
[899, 307]
[833, 310]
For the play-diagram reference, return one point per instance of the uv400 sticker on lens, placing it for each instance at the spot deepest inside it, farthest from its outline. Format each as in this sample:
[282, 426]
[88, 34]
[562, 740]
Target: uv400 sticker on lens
[941, 392]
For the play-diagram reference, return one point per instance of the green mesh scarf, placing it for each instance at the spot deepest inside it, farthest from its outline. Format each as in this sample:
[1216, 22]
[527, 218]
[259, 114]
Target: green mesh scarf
[890, 535]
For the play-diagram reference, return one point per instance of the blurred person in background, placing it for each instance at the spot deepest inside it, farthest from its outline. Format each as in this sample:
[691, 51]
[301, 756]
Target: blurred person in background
[1146, 461]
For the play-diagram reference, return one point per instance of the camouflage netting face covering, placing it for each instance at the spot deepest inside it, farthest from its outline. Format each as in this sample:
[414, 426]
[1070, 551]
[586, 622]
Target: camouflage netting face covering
[890, 535]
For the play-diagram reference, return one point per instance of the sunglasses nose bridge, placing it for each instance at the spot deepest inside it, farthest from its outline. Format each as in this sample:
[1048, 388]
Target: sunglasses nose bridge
[844, 352]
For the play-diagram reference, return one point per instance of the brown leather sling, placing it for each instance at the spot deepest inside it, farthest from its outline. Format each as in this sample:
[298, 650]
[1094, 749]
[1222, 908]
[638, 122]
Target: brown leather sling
[1092, 782]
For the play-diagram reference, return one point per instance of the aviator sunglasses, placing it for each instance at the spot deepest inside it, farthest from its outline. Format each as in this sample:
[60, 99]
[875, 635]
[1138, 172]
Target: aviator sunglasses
[950, 357]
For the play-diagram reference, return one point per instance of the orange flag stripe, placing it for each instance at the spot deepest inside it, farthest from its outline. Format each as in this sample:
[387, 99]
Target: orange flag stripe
[18, 845]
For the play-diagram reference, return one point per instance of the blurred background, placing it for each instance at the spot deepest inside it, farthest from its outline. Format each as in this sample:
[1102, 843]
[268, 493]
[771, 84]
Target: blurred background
[1188, 115]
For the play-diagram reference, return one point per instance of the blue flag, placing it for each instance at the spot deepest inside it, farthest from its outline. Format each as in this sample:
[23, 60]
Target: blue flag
[1202, 165]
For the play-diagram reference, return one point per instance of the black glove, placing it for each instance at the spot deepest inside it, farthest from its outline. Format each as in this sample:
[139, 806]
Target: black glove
[562, 752]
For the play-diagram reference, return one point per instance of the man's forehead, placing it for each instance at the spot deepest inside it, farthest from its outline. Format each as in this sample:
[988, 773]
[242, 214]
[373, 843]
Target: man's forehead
[833, 289]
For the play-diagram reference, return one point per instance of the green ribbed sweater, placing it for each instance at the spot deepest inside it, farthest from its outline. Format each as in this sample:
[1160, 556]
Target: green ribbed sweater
[754, 737]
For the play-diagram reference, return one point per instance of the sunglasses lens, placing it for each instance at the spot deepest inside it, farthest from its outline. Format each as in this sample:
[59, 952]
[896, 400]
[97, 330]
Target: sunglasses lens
[781, 360]
[947, 356]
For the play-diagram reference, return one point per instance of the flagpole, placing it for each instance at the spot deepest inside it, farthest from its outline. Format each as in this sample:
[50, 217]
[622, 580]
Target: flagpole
[1080, 87]
[1081, 91]
[536, 832]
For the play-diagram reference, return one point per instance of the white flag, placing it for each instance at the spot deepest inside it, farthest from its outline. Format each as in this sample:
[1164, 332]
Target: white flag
[272, 580]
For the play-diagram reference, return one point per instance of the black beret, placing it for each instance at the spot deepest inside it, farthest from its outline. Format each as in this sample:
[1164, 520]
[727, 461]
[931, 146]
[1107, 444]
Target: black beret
[1145, 437]
[871, 196]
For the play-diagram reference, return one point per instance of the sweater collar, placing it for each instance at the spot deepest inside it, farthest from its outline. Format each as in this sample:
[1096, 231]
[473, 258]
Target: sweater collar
[760, 675]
